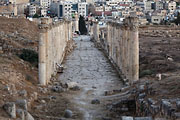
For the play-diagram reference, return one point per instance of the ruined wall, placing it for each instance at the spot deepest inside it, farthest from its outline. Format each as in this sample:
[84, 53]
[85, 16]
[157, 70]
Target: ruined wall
[52, 45]
[121, 43]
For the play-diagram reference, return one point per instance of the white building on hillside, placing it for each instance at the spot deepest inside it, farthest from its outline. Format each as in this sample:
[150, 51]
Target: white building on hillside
[45, 3]
[83, 9]
[32, 10]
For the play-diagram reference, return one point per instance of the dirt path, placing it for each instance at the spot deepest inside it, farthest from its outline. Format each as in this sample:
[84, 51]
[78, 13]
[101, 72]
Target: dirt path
[87, 66]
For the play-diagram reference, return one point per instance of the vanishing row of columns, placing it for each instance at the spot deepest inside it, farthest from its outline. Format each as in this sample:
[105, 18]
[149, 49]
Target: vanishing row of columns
[122, 45]
[52, 43]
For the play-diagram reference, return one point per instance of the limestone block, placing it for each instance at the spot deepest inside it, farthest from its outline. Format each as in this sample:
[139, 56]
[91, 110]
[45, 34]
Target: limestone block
[28, 116]
[10, 108]
[20, 114]
[22, 104]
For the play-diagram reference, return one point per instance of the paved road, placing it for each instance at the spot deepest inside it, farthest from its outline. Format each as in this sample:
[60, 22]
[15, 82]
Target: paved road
[88, 66]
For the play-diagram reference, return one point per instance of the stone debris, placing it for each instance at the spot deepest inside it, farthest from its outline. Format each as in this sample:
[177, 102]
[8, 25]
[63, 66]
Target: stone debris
[106, 93]
[57, 89]
[43, 101]
[178, 104]
[68, 114]
[20, 114]
[52, 97]
[23, 93]
[28, 116]
[7, 88]
[177, 115]
[10, 108]
[71, 85]
[159, 76]
[34, 95]
[75, 88]
[22, 104]
[95, 101]
[60, 68]
[170, 59]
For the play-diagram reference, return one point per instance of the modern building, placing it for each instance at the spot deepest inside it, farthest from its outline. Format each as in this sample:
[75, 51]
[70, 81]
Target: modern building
[64, 9]
[32, 10]
[148, 6]
[8, 10]
[83, 9]
[159, 5]
[156, 19]
[43, 12]
[171, 7]
[45, 3]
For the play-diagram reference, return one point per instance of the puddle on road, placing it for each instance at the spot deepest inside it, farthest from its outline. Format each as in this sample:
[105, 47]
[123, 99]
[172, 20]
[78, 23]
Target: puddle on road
[87, 66]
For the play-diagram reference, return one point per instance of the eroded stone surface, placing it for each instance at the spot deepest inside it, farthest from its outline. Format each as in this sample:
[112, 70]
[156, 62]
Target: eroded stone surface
[91, 70]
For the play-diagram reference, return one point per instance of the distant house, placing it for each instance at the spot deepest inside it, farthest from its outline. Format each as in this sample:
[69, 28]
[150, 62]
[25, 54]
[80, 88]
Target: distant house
[159, 5]
[148, 6]
[156, 19]
[83, 8]
[32, 10]
[100, 13]
[8, 10]
[171, 7]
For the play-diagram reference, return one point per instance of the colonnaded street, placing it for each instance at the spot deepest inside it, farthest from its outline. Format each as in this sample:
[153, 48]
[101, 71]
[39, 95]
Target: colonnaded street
[88, 67]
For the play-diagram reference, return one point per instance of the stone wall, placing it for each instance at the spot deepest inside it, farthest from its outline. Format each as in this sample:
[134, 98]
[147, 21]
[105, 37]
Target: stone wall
[53, 40]
[121, 43]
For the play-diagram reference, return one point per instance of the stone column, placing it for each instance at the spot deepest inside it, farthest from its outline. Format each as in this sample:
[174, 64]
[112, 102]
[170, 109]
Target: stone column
[42, 59]
[76, 22]
[135, 49]
[97, 30]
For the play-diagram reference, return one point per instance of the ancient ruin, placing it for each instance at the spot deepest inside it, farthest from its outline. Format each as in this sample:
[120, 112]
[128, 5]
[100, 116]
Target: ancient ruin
[53, 41]
[121, 44]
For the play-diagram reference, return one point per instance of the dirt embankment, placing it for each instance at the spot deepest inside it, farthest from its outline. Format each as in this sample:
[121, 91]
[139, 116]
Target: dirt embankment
[157, 93]
[159, 56]
[19, 73]
[17, 77]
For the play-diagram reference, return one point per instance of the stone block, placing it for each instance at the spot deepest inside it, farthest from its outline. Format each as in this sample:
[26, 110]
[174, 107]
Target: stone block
[142, 95]
[10, 108]
[154, 109]
[178, 104]
[23, 93]
[20, 114]
[22, 104]
[165, 107]
[95, 101]
[126, 118]
[28, 116]
[68, 114]
[177, 115]
[151, 101]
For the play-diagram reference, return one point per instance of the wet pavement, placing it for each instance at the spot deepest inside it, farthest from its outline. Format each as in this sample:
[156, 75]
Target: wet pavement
[88, 66]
